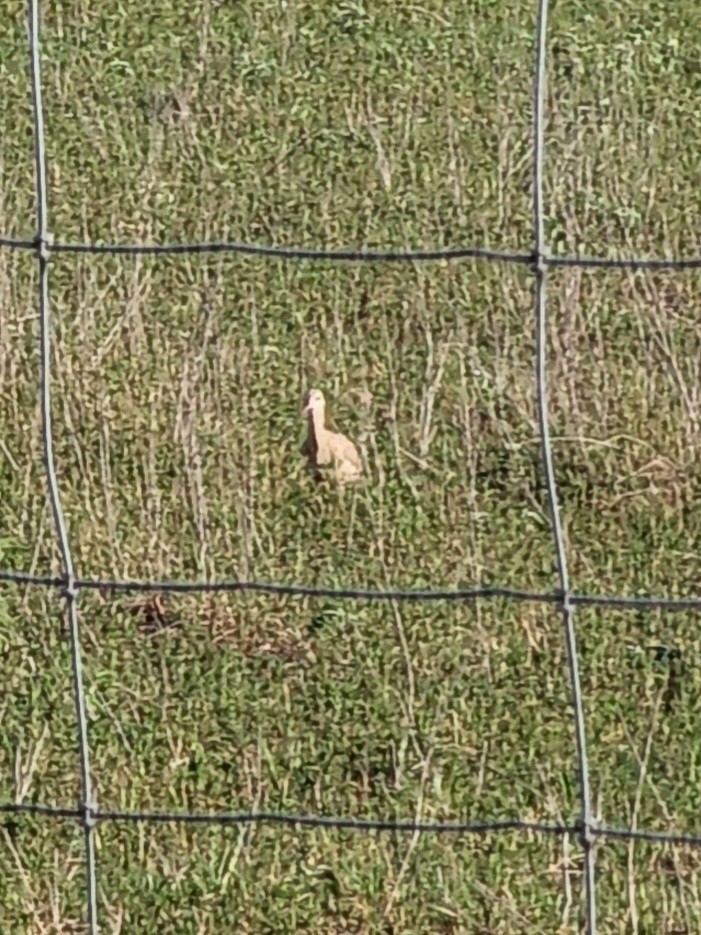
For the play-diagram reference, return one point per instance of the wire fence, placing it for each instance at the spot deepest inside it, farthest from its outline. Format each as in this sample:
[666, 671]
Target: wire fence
[586, 829]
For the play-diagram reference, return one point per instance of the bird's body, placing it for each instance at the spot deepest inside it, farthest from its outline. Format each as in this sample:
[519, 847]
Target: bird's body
[325, 449]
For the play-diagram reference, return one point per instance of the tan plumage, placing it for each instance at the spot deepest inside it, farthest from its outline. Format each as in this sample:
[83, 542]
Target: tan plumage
[326, 449]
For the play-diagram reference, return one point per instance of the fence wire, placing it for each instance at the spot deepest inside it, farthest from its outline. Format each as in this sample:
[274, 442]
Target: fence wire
[540, 290]
[404, 595]
[88, 814]
[361, 256]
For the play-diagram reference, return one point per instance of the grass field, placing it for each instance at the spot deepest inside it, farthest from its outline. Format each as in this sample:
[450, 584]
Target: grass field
[176, 403]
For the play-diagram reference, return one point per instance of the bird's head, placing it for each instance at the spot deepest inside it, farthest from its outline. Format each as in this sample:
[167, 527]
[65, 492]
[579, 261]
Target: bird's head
[313, 402]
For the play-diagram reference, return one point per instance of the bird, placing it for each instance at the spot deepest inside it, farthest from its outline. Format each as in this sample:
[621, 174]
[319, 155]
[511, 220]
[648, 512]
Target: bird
[326, 449]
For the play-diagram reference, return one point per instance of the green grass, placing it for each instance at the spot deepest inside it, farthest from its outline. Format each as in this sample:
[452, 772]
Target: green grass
[176, 385]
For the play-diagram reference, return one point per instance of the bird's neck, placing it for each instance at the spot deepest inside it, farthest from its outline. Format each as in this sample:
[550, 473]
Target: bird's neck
[316, 423]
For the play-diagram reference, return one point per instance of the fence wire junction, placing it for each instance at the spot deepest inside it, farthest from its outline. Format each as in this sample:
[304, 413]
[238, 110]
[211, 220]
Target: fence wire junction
[586, 829]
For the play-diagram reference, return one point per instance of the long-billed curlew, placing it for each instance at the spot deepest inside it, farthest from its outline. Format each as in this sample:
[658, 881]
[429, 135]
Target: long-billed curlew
[324, 448]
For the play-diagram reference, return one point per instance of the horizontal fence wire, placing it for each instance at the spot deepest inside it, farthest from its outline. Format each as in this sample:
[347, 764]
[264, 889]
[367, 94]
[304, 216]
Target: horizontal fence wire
[362, 256]
[88, 814]
[604, 832]
[404, 595]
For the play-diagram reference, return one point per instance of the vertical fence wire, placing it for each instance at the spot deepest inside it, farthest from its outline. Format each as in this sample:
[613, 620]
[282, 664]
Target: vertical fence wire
[43, 251]
[541, 274]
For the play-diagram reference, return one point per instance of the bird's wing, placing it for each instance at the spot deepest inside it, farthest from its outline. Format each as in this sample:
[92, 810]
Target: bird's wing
[345, 450]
